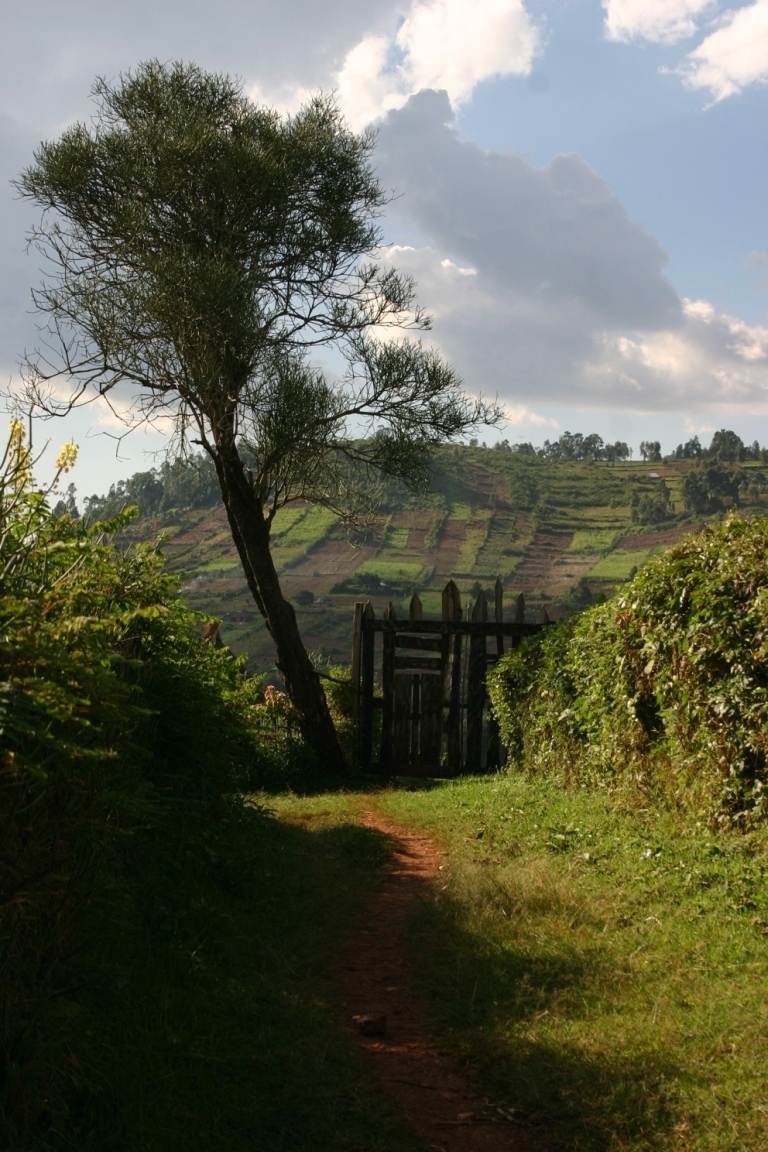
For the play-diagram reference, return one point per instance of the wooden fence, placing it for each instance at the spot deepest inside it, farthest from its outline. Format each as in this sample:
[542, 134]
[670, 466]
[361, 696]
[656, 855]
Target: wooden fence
[421, 698]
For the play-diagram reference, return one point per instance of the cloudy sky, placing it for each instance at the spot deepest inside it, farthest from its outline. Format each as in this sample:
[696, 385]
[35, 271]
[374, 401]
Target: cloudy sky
[581, 185]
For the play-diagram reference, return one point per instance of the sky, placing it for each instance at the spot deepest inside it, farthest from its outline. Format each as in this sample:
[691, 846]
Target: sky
[578, 188]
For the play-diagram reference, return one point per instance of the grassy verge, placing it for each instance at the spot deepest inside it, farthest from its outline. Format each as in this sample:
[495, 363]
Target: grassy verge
[227, 1032]
[598, 967]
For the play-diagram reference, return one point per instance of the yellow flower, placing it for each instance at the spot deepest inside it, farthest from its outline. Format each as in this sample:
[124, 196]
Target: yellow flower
[66, 458]
[19, 457]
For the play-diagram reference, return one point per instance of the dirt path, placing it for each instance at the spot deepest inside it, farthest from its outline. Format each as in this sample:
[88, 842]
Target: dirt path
[430, 1089]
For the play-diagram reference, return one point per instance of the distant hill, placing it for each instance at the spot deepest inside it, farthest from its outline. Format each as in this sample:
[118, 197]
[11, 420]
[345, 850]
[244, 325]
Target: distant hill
[561, 531]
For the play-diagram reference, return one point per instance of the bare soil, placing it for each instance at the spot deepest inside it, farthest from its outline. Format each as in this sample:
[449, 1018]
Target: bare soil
[547, 564]
[446, 555]
[663, 537]
[375, 969]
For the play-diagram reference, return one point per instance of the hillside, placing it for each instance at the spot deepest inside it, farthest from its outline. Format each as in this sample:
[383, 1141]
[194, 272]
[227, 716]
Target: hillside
[559, 531]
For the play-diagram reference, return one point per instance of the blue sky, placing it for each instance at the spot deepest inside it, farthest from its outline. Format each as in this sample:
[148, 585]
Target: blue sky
[581, 186]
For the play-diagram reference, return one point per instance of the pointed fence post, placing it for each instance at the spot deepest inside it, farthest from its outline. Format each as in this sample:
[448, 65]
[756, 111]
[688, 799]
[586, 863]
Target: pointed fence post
[388, 687]
[476, 686]
[452, 665]
[493, 750]
[366, 687]
[357, 645]
[416, 697]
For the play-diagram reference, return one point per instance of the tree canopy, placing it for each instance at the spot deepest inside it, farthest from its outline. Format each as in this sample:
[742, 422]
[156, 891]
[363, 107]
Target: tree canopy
[200, 248]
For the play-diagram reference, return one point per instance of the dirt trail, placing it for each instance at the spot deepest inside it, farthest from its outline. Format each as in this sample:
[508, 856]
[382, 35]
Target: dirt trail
[436, 1098]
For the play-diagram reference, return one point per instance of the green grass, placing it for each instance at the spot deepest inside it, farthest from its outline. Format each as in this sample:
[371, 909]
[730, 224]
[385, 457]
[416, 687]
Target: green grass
[618, 565]
[586, 540]
[473, 542]
[225, 564]
[397, 537]
[308, 529]
[288, 518]
[394, 570]
[227, 1023]
[598, 967]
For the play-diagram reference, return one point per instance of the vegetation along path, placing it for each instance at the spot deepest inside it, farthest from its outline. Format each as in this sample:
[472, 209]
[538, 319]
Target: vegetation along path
[385, 1008]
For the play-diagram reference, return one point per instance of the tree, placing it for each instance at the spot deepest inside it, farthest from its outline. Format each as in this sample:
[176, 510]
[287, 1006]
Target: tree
[650, 450]
[706, 485]
[691, 450]
[726, 445]
[651, 507]
[200, 247]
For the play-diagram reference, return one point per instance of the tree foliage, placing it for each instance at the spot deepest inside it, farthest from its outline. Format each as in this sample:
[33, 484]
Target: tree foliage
[126, 744]
[665, 686]
[200, 248]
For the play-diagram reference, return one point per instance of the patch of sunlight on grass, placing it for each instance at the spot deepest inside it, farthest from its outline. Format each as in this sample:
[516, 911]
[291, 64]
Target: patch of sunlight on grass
[600, 966]
[618, 565]
[598, 540]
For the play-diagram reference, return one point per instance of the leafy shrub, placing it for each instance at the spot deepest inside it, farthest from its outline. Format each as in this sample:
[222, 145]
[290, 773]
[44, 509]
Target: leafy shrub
[125, 741]
[651, 507]
[667, 685]
[709, 484]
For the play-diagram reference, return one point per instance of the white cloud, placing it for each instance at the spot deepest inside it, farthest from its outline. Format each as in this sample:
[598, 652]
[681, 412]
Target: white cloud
[364, 87]
[733, 56]
[521, 416]
[454, 44]
[556, 232]
[505, 342]
[661, 21]
[442, 44]
[542, 286]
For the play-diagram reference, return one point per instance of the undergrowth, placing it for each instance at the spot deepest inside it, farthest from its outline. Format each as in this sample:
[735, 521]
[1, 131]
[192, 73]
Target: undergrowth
[664, 688]
[162, 943]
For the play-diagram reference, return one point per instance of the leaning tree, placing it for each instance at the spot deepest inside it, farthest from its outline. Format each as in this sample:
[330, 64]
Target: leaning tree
[199, 249]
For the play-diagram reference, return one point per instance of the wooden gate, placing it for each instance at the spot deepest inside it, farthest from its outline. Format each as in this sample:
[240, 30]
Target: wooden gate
[422, 707]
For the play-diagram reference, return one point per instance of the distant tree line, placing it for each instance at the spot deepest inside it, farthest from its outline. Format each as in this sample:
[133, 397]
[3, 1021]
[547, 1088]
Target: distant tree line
[714, 483]
[572, 446]
[185, 483]
[726, 445]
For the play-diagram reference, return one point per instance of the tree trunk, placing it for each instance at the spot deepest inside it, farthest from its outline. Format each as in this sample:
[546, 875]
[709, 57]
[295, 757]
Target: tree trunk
[250, 533]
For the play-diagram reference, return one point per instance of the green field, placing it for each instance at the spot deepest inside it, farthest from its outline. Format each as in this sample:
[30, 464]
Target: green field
[543, 526]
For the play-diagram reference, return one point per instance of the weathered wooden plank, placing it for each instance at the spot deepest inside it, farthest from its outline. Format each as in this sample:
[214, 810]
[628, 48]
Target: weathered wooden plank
[422, 663]
[476, 689]
[452, 613]
[431, 720]
[493, 746]
[365, 745]
[463, 627]
[357, 644]
[402, 722]
[416, 716]
[388, 687]
[415, 610]
[520, 609]
[421, 643]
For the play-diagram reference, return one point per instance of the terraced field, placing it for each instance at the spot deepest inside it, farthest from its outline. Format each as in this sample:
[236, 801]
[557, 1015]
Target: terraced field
[557, 531]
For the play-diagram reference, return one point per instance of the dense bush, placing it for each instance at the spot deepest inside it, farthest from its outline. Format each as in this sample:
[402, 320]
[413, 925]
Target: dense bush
[666, 685]
[125, 744]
